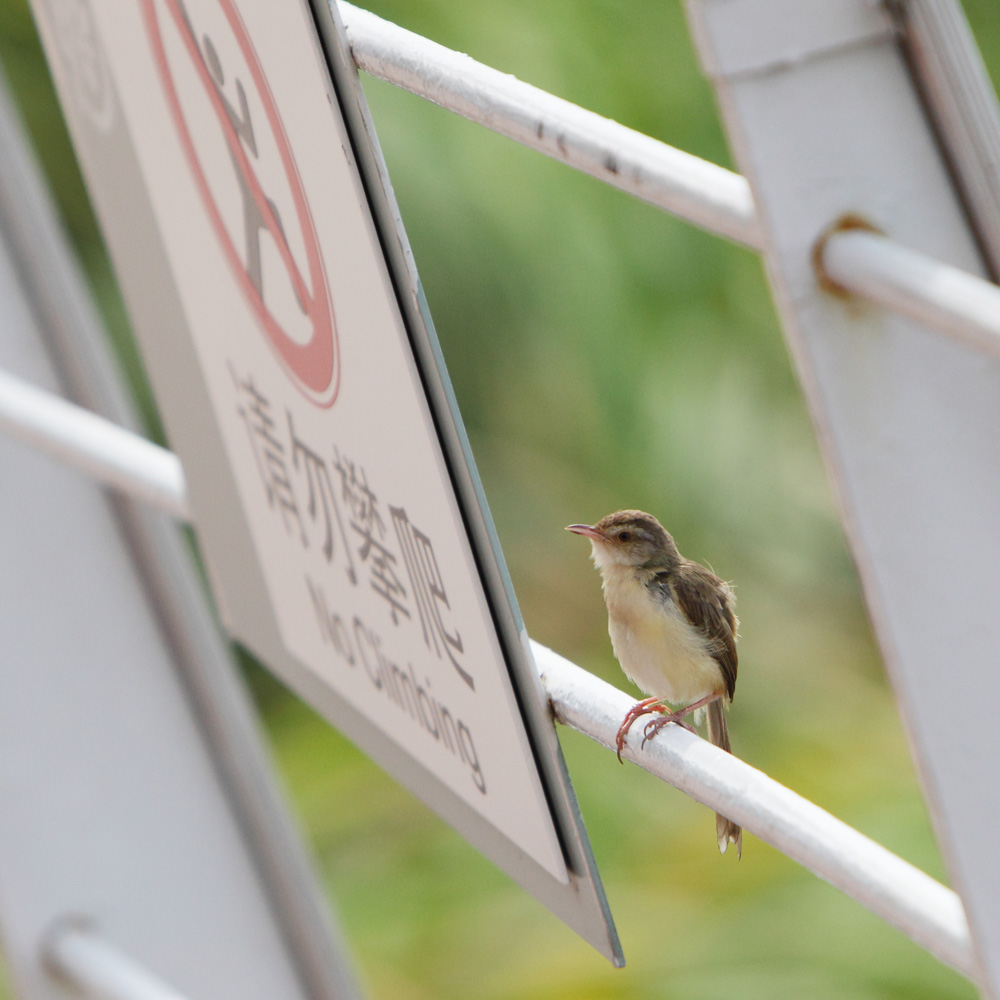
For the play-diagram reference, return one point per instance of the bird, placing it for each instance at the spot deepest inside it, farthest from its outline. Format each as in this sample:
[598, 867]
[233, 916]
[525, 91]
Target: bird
[673, 628]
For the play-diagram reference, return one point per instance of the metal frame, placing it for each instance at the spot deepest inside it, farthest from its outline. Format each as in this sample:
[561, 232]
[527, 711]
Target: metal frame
[838, 256]
[196, 703]
[707, 195]
[905, 417]
[921, 907]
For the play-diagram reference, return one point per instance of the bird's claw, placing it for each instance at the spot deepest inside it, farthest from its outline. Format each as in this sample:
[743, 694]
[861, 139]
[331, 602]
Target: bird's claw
[620, 742]
[655, 725]
[635, 712]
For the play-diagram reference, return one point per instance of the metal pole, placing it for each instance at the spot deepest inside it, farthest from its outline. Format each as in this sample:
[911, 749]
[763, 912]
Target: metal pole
[160, 693]
[928, 912]
[824, 113]
[103, 450]
[710, 196]
[96, 968]
[901, 894]
[912, 284]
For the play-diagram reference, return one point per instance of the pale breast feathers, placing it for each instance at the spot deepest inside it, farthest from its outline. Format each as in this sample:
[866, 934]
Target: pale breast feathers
[654, 641]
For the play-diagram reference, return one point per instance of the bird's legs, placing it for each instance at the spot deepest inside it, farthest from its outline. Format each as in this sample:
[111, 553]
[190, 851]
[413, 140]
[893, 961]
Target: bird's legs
[640, 709]
[649, 705]
[653, 727]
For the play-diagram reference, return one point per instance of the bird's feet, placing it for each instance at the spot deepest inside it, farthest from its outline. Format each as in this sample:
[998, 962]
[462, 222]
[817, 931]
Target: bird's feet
[655, 725]
[638, 710]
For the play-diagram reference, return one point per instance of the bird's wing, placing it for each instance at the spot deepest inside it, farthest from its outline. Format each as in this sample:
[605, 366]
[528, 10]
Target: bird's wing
[708, 602]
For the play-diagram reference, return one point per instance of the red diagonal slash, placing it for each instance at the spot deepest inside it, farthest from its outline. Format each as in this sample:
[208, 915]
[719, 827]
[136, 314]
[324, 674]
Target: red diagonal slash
[236, 147]
[314, 365]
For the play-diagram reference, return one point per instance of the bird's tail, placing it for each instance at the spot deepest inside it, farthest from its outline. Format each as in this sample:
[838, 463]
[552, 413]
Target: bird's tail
[718, 733]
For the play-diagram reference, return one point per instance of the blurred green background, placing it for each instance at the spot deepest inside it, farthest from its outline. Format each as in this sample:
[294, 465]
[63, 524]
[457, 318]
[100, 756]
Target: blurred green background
[605, 355]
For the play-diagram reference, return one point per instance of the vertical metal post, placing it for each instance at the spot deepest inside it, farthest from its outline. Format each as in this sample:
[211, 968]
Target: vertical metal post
[135, 785]
[826, 121]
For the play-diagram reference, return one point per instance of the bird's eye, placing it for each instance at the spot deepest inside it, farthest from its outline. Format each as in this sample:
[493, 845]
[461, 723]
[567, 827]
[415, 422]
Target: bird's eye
[624, 536]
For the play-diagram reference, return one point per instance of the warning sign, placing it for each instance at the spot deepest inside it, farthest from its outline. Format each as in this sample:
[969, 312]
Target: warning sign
[252, 249]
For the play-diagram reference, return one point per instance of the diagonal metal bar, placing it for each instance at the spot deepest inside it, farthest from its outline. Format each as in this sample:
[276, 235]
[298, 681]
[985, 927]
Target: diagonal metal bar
[98, 447]
[867, 264]
[97, 969]
[928, 912]
[912, 284]
[873, 267]
[694, 189]
[923, 909]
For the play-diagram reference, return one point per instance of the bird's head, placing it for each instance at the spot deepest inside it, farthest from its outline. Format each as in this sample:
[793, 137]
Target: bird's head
[629, 538]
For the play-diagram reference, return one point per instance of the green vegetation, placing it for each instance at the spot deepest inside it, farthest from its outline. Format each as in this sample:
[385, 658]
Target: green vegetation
[605, 355]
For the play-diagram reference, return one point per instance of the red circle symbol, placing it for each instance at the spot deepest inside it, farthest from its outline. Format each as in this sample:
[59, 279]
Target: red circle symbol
[314, 364]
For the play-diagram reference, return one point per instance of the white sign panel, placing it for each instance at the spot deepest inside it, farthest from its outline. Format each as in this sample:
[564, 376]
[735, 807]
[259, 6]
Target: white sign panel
[299, 381]
[315, 390]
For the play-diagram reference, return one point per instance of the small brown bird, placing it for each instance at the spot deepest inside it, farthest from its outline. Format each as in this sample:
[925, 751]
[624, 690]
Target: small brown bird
[673, 628]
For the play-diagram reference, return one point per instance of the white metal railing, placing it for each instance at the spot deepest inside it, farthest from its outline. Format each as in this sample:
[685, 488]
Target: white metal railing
[703, 193]
[932, 293]
[97, 447]
[910, 900]
[901, 894]
[862, 262]
[867, 264]
[79, 956]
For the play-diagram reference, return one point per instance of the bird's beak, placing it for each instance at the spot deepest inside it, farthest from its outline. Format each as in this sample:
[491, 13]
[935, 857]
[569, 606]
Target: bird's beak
[587, 530]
